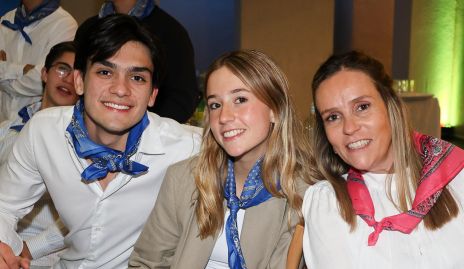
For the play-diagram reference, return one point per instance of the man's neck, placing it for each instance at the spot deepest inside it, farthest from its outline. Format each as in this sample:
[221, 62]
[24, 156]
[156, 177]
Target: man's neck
[106, 138]
[113, 141]
[30, 5]
[45, 103]
[124, 7]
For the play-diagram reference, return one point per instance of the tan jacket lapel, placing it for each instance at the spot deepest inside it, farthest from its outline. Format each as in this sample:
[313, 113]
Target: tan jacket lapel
[192, 251]
[261, 231]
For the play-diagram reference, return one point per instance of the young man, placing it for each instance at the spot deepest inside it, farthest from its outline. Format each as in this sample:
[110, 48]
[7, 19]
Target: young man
[179, 95]
[41, 229]
[27, 34]
[102, 161]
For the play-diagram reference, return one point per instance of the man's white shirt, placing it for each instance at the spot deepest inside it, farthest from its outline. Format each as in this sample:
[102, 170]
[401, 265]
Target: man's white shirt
[103, 224]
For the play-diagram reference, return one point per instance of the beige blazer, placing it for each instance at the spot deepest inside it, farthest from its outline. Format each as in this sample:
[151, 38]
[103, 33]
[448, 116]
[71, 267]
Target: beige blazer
[170, 236]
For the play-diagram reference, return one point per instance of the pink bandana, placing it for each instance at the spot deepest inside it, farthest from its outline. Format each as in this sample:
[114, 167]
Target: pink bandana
[441, 160]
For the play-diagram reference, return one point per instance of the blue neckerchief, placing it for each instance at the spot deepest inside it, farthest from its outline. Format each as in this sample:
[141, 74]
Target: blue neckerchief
[253, 193]
[26, 114]
[142, 9]
[22, 19]
[104, 159]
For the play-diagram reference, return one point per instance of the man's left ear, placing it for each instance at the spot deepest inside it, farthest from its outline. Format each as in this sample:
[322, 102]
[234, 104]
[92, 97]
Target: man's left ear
[78, 82]
[152, 99]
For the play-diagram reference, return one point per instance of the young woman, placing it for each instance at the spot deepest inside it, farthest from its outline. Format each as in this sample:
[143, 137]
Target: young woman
[390, 198]
[236, 204]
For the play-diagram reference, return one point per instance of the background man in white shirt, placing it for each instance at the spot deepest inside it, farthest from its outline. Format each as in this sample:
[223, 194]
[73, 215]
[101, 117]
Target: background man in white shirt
[41, 229]
[103, 160]
[27, 34]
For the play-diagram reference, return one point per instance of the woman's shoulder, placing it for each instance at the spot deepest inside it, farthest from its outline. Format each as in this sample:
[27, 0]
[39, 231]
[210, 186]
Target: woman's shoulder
[180, 175]
[320, 198]
[322, 187]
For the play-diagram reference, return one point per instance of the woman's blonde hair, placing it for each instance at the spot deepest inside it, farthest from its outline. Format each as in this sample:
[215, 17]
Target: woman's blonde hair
[332, 167]
[287, 154]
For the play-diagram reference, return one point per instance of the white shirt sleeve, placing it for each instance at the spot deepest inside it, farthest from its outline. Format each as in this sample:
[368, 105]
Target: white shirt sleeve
[21, 186]
[48, 241]
[7, 139]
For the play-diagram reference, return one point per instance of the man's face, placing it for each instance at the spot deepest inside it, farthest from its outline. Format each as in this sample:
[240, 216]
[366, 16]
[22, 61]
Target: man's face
[59, 85]
[116, 93]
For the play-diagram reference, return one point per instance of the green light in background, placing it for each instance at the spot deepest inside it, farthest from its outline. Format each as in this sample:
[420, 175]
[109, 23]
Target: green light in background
[437, 54]
[458, 61]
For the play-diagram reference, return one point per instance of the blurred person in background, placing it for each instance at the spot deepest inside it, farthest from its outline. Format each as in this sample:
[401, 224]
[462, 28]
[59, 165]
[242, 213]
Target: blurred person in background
[27, 35]
[41, 229]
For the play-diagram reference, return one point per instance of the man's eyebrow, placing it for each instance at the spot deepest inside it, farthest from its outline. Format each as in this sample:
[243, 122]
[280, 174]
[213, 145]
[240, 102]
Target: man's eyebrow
[139, 69]
[130, 69]
[107, 64]
[63, 63]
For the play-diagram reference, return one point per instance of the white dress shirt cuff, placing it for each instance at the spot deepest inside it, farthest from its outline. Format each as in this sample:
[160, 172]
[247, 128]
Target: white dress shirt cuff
[11, 238]
[45, 243]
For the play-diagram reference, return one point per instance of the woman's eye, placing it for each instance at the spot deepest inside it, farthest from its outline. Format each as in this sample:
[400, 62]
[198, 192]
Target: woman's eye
[240, 100]
[213, 106]
[363, 107]
[332, 117]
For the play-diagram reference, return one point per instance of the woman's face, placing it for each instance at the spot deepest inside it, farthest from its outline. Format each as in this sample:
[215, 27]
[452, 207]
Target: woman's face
[240, 122]
[356, 121]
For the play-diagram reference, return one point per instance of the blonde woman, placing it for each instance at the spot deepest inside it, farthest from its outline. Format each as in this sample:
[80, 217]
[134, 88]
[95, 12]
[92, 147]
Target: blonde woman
[236, 204]
[390, 198]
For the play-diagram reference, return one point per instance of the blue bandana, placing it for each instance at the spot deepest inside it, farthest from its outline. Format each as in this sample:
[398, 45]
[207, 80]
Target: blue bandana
[22, 19]
[142, 9]
[104, 159]
[253, 193]
[26, 114]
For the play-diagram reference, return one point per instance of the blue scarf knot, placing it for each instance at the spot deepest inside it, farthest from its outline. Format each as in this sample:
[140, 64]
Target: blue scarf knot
[22, 19]
[142, 9]
[253, 193]
[104, 159]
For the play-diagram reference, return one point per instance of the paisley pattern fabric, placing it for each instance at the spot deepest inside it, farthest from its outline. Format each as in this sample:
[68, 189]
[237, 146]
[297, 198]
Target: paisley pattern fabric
[441, 161]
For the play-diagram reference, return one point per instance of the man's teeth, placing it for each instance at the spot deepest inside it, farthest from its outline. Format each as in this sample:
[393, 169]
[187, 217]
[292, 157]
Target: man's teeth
[64, 89]
[358, 144]
[233, 133]
[116, 106]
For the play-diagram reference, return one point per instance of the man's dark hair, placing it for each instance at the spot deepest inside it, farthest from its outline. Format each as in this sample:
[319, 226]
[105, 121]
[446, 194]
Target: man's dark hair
[107, 35]
[57, 51]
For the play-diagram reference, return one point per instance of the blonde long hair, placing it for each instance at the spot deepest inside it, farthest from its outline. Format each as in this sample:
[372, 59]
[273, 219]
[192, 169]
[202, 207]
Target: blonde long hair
[286, 157]
[332, 167]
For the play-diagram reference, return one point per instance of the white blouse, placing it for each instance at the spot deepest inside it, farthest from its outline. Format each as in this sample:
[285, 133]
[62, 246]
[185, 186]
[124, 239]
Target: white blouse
[328, 242]
[220, 255]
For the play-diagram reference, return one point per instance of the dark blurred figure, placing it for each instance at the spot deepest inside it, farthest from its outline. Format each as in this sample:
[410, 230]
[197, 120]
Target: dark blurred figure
[8, 5]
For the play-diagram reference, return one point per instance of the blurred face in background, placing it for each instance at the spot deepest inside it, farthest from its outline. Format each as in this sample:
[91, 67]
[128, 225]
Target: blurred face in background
[59, 83]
